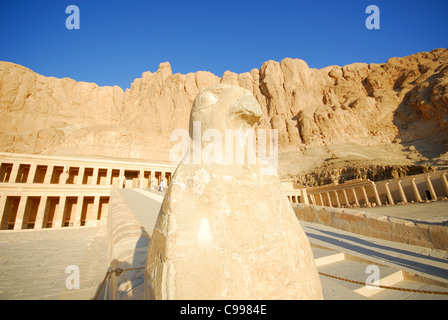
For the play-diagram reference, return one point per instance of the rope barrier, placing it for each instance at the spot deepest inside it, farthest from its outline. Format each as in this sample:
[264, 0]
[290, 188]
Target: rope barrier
[386, 287]
[119, 271]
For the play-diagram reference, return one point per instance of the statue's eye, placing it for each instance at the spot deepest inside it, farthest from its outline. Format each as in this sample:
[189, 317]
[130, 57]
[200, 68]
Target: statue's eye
[207, 99]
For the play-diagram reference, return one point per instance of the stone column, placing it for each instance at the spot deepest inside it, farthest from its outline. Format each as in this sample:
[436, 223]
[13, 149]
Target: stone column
[337, 198]
[430, 187]
[163, 178]
[366, 198]
[445, 182]
[121, 179]
[401, 191]
[91, 220]
[389, 194]
[152, 180]
[78, 212]
[415, 190]
[96, 171]
[59, 214]
[377, 196]
[14, 173]
[40, 212]
[20, 213]
[109, 176]
[313, 199]
[80, 176]
[141, 179]
[347, 203]
[354, 195]
[48, 174]
[329, 199]
[304, 196]
[31, 173]
[321, 199]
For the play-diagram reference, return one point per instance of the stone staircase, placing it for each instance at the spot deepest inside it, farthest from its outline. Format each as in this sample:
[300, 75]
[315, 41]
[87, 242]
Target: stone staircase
[354, 268]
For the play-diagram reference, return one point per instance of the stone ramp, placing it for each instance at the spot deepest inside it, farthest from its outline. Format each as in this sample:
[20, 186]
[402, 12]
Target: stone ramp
[145, 205]
[33, 263]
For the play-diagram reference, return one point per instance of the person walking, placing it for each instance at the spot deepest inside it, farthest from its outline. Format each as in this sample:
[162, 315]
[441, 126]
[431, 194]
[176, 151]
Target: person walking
[162, 185]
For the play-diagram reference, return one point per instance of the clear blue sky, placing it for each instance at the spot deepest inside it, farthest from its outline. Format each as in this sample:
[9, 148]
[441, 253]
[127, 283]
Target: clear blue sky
[118, 40]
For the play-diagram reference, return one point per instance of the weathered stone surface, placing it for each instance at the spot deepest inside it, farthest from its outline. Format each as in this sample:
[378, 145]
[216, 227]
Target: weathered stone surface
[226, 231]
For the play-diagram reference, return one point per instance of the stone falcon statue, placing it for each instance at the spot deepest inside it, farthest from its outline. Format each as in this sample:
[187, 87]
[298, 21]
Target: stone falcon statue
[226, 231]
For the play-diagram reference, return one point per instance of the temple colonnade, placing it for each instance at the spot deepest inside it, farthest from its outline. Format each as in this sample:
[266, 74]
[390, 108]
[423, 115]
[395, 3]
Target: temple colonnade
[365, 193]
[50, 192]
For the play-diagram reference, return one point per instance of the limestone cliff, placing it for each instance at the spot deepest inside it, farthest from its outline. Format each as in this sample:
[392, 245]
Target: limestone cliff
[335, 113]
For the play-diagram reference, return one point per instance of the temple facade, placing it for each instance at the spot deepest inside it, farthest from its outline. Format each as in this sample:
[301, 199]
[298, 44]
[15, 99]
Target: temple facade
[54, 192]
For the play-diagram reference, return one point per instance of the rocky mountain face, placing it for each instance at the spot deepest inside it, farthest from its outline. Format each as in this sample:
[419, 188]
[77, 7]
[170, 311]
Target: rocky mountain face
[360, 115]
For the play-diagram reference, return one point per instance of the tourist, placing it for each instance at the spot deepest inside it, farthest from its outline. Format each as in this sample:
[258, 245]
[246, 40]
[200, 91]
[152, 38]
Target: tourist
[162, 184]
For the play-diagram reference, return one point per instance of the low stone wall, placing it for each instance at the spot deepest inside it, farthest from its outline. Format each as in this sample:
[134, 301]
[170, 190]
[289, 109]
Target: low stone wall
[431, 235]
[128, 245]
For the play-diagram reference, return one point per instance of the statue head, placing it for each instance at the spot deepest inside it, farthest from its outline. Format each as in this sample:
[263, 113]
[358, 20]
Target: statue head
[223, 107]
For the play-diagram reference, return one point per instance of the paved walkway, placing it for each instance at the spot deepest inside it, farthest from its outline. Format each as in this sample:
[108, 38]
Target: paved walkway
[145, 204]
[33, 263]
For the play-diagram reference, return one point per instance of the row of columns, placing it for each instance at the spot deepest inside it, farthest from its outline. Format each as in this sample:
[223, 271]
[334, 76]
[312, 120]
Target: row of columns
[338, 202]
[415, 190]
[299, 196]
[40, 207]
[45, 217]
[325, 196]
[64, 176]
[142, 180]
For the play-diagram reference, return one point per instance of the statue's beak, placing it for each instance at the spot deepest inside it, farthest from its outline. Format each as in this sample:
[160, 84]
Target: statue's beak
[245, 110]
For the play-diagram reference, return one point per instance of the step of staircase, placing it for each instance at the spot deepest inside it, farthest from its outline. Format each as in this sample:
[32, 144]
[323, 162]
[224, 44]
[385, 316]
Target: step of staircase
[333, 263]
[347, 264]
[325, 256]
